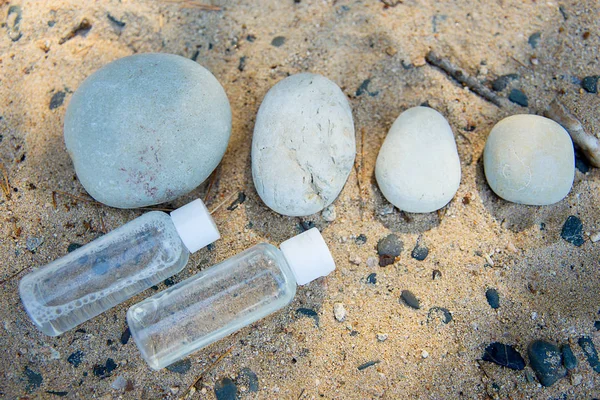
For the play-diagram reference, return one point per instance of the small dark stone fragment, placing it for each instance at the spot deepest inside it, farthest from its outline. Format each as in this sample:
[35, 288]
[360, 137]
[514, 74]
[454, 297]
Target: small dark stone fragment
[500, 83]
[410, 299]
[181, 366]
[367, 364]
[534, 39]
[364, 88]
[251, 38]
[278, 41]
[389, 248]
[57, 100]
[104, 371]
[75, 358]
[307, 312]
[242, 63]
[248, 378]
[225, 389]
[441, 312]
[73, 246]
[569, 360]
[504, 355]
[125, 336]
[493, 298]
[354, 333]
[34, 380]
[546, 362]
[436, 274]
[210, 247]
[590, 352]
[372, 278]
[169, 282]
[590, 84]
[60, 394]
[240, 199]
[572, 231]
[305, 225]
[518, 97]
[118, 24]
[420, 252]
[360, 239]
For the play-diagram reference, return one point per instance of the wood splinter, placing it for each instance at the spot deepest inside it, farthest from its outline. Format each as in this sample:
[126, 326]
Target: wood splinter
[587, 143]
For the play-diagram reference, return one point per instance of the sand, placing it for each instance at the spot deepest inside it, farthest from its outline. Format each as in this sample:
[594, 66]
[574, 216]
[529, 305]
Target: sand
[549, 288]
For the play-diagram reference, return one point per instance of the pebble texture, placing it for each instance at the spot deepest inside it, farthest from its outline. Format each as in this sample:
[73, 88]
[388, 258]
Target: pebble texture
[303, 147]
[529, 159]
[418, 169]
[546, 361]
[146, 129]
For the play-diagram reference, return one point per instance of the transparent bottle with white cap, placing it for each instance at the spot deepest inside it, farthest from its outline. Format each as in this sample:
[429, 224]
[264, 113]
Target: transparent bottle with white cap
[115, 267]
[226, 297]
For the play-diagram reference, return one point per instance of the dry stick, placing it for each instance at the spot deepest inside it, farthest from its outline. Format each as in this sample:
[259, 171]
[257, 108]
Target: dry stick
[3, 281]
[301, 393]
[207, 370]
[213, 178]
[214, 210]
[472, 83]
[5, 184]
[194, 4]
[588, 143]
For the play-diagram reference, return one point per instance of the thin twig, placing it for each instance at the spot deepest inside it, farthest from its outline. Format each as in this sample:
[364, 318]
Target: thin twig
[462, 77]
[194, 4]
[3, 281]
[301, 393]
[214, 210]
[5, 184]
[207, 370]
[588, 143]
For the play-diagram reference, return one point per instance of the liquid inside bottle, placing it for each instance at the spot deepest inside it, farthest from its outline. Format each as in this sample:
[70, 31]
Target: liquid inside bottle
[211, 304]
[115, 267]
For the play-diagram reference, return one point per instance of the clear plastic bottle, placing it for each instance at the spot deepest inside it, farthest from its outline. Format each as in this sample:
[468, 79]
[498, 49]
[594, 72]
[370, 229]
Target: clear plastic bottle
[225, 297]
[115, 267]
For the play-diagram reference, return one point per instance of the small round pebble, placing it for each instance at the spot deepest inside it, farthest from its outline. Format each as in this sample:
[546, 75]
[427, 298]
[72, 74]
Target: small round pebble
[569, 360]
[303, 146]
[410, 299]
[590, 83]
[382, 337]
[418, 169]
[146, 129]
[529, 159]
[546, 361]
[420, 252]
[329, 213]
[391, 245]
[493, 298]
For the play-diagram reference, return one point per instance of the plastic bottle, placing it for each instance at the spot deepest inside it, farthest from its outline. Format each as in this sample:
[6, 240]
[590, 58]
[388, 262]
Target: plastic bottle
[115, 267]
[225, 297]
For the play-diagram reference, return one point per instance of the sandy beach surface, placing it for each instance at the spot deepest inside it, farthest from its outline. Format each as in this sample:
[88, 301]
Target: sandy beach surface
[548, 287]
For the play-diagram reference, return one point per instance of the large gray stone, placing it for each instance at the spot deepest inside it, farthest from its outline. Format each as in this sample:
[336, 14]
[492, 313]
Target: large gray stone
[418, 169]
[529, 159]
[303, 146]
[147, 129]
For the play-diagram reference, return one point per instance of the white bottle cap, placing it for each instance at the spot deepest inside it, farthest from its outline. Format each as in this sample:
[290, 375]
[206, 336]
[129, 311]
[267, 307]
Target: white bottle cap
[195, 226]
[308, 256]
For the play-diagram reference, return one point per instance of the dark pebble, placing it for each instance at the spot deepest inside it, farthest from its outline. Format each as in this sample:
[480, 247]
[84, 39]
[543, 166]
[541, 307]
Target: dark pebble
[278, 41]
[241, 196]
[372, 278]
[307, 312]
[305, 225]
[367, 364]
[436, 274]
[493, 298]
[104, 371]
[518, 97]
[569, 360]
[360, 239]
[242, 63]
[420, 252]
[34, 380]
[546, 361]
[55, 393]
[440, 313]
[169, 282]
[534, 39]
[410, 299]
[364, 88]
[251, 38]
[57, 100]
[210, 247]
[590, 84]
[354, 333]
[247, 378]
[500, 83]
[504, 355]
[590, 352]
[180, 367]
[125, 336]
[572, 231]
[73, 246]
[75, 358]
[225, 389]
[390, 245]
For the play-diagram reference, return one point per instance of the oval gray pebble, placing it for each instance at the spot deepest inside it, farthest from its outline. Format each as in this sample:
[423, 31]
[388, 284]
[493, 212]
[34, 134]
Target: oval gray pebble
[410, 299]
